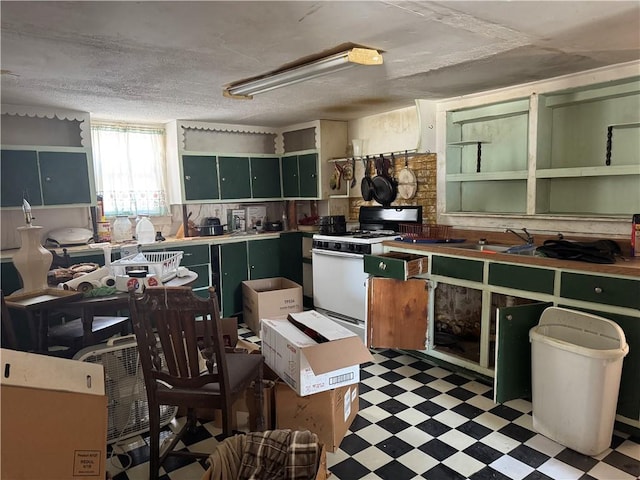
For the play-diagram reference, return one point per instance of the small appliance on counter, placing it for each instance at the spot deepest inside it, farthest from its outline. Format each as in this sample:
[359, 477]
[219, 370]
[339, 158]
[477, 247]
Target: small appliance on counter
[68, 236]
[237, 220]
[211, 226]
[273, 226]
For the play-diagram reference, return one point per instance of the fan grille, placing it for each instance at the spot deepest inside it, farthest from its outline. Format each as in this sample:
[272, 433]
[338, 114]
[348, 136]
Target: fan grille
[128, 409]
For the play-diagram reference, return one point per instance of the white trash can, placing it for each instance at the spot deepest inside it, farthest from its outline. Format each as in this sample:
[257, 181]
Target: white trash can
[576, 361]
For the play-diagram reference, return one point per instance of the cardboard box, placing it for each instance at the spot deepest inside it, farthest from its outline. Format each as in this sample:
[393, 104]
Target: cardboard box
[269, 298]
[328, 414]
[54, 418]
[309, 366]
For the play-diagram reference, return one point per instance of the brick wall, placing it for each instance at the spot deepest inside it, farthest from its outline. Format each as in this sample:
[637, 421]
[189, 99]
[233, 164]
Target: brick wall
[424, 168]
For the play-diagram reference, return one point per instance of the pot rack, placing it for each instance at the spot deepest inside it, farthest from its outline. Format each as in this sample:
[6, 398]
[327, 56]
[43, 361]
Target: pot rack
[400, 154]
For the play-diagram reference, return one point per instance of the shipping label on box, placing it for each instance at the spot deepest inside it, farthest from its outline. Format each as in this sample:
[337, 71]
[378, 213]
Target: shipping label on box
[269, 298]
[310, 366]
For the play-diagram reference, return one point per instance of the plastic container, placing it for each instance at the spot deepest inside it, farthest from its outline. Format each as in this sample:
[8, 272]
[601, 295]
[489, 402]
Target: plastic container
[576, 362]
[122, 230]
[145, 231]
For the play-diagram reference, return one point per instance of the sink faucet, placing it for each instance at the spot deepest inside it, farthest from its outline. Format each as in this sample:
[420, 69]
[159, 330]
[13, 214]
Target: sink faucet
[528, 239]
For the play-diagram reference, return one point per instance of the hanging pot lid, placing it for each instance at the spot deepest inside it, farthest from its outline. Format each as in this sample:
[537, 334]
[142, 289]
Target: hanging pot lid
[407, 182]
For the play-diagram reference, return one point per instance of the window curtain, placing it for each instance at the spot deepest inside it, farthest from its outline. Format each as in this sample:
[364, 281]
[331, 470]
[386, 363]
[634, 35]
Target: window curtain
[129, 167]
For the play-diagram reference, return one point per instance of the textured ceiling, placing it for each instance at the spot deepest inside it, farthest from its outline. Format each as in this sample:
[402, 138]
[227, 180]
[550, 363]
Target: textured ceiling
[156, 61]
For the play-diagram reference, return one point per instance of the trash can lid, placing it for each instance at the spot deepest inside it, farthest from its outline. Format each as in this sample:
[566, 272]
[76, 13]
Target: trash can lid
[584, 322]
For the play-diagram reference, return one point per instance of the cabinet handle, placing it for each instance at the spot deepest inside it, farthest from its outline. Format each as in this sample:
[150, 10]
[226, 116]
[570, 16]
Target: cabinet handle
[597, 290]
[382, 266]
[255, 178]
[223, 179]
[187, 177]
[47, 179]
[252, 267]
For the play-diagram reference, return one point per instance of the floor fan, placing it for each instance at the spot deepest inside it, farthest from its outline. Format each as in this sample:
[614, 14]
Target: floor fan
[128, 410]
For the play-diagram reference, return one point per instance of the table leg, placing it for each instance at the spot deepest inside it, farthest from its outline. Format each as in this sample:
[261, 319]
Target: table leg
[87, 326]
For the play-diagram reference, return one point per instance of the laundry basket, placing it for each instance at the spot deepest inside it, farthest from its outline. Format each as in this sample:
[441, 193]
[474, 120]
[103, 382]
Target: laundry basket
[576, 362]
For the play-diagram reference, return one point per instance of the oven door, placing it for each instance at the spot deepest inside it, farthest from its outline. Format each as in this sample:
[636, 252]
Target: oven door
[339, 283]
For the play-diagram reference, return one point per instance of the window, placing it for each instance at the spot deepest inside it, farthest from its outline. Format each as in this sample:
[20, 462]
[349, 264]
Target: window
[129, 162]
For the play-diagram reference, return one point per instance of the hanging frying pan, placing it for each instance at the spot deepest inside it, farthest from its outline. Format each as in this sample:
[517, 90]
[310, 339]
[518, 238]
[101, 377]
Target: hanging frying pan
[384, 188]
[366, 185]
[407, 182]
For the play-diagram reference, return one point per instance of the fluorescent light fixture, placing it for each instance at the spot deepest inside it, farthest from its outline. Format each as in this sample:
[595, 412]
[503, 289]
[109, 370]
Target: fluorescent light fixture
[306, 71]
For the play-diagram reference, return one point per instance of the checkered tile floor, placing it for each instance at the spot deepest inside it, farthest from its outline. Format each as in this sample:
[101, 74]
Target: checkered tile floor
[421, 421]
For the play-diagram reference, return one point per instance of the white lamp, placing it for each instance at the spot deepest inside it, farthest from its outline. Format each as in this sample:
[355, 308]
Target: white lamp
[306, 71]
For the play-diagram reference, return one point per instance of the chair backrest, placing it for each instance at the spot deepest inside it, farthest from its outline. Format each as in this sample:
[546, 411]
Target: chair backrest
[173, 313]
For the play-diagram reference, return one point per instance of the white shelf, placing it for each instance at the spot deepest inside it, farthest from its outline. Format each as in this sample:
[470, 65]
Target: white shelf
[485, 176]
[588, 171]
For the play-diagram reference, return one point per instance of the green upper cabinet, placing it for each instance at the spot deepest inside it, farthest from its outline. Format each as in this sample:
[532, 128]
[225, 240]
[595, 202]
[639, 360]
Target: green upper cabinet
[264, 258]
[20, 178]
[308, 170]
[265, 177]
[235, 179]
[65, 178]
[290, 176]
[300, 176]
[45, 178]
[200, 177]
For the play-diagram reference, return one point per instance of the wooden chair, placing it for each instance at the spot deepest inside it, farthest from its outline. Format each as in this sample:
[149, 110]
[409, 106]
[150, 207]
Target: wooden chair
[176, 376]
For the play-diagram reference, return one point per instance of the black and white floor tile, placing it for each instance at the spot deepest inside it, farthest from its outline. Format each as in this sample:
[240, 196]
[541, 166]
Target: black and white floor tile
[420, 421]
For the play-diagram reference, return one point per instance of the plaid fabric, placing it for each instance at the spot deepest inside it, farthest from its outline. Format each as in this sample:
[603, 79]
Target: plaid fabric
[279, 455]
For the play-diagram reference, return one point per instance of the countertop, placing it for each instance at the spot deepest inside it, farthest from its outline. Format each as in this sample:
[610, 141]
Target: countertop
[169, 242]
[627, 266]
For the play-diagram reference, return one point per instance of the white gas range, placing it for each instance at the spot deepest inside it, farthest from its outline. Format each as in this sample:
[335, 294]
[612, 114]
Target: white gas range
[339, 279]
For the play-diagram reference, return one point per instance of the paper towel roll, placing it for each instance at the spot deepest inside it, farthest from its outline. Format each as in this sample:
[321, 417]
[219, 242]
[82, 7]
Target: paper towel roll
[108, 281]
[96, 275]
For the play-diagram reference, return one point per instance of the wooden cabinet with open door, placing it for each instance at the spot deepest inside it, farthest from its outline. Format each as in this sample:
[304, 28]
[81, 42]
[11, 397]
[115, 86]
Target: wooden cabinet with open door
[397, 313]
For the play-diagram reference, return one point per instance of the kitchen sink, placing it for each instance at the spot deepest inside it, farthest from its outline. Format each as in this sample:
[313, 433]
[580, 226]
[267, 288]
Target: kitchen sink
[497, 248]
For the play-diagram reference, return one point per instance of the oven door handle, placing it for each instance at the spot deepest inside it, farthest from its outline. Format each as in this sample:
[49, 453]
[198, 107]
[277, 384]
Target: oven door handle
[333, 253]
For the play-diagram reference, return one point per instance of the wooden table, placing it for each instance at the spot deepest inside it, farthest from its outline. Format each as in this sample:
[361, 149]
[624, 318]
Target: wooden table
[38, 305]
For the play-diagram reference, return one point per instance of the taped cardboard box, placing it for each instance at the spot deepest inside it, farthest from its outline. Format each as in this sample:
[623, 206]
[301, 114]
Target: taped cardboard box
[54, 418]
[328, 414]
[312, 353]
[269, 298]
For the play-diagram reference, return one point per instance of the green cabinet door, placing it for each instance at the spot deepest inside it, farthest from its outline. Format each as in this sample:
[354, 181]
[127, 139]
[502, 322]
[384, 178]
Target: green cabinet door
[265, 177]
[200, 177]
[9, 278]
[264, 258]
[513, 351]
[290, 176]
[235, 180]
[64, 177]
[291, 256]
[233, 271]
[308, 168]
[20, 178]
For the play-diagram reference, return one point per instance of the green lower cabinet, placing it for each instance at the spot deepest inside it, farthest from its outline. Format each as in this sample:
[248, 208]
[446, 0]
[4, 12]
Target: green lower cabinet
[513, 351]
[291, 256]
[9, 278]
[457, 268]
[264, 258]
[521, 278]
[623, 292]
[233, 271]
